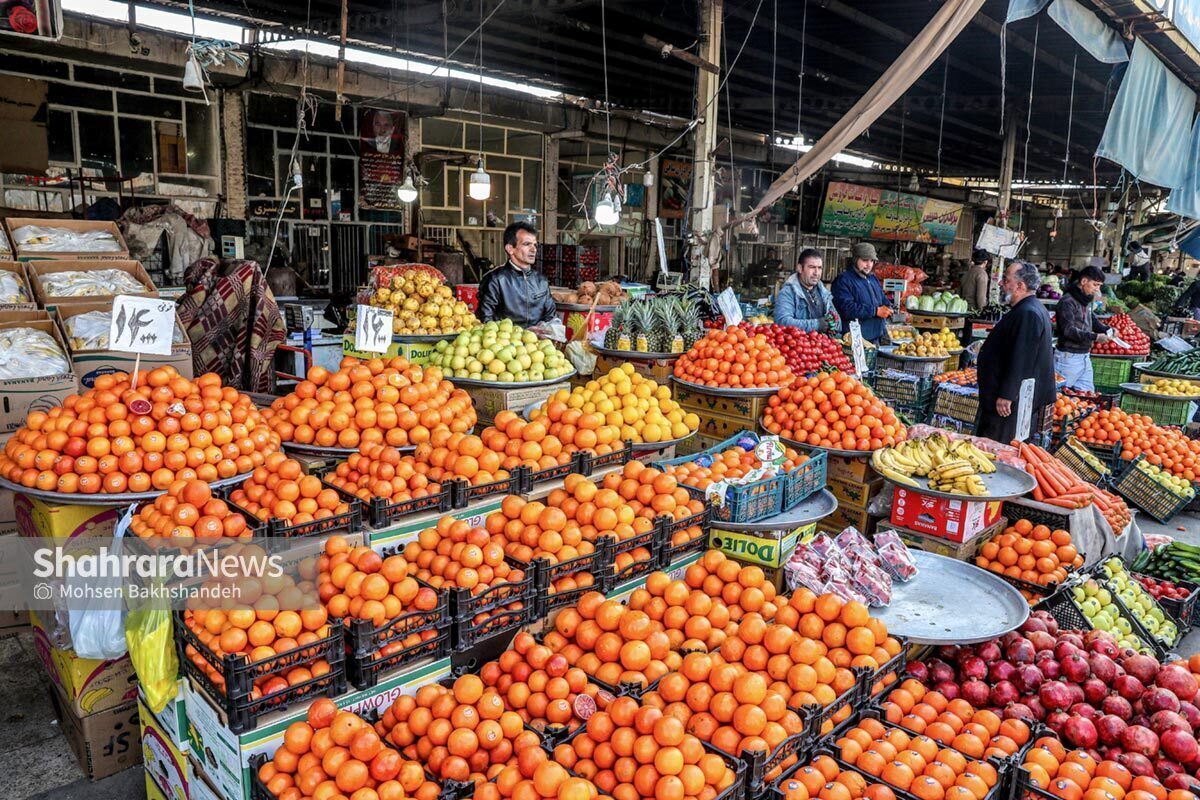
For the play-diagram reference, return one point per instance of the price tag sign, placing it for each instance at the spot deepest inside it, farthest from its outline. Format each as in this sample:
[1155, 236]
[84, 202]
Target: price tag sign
[857, 349]
[770, 451]
[144, 325]
[373, 331]
[730, 307]
[1024, 409]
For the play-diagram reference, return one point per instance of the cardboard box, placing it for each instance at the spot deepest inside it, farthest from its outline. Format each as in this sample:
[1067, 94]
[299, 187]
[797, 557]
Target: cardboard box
[37, 269]
[854, 494]
[777, 577]
[25, 254]
[658, 371]
[90, 364]
[491, 400]
[697, 444]
[18, 269]
[956, 520]
[61, 521]
[418, 353]
[847, 517]
[960, 551]
[19, 396]
[766, 549]
[856, 470]
[747, 409]
[225, 756]
[8, 517]
[24, 147]
[87, 685]
[200, 785]
[104, 743]
[172, 720]
[720, 427]
[165, 764]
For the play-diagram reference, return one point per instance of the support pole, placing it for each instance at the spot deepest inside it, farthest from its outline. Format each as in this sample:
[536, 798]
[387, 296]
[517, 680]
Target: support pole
[704, 187]
[1008, 159]
[549, 190]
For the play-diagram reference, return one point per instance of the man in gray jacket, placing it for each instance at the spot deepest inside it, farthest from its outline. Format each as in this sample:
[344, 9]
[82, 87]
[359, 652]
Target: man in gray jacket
[803, 301]
[974, 287]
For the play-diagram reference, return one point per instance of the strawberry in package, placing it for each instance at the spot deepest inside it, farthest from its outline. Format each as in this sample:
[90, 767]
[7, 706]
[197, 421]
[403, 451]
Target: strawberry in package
[895, 555]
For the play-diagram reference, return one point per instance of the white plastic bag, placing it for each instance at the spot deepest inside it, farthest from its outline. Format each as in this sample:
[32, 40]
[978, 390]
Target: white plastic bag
[94, 283]
[582, 358]
[30, 353]
[11, 288]
[98, 627]
[49, 239]
[89, 331]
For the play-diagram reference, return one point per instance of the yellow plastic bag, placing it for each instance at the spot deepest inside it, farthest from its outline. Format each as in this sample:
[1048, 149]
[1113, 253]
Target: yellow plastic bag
[149, 634]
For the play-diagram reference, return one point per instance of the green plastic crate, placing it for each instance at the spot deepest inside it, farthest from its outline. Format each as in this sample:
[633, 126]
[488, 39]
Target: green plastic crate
[1109, 372]
[1163, 410]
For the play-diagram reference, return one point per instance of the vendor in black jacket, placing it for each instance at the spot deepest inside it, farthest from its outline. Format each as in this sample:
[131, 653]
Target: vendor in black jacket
[1019, 347]
[515, 290]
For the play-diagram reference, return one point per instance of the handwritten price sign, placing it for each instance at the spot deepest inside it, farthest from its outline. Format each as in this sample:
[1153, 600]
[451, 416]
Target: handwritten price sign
[144, 325]
[373, 332]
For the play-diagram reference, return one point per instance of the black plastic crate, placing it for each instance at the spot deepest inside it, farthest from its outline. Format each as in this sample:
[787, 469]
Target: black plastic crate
[632, 689]
[1182, 611]
[451, 790]
[598, 564]
[555, 473]
[349, 521]
[383, 514]
[653, 540]
[1068, 452]
[592, 462]
[815, 716]
[1062, 607]
[365, 641]
[1053, 520]
[493, 603]
[238, 674]
[674, 552]
[896, 665]
[1109, 454]
[791, 754]
[1148, 494]
[463, 493]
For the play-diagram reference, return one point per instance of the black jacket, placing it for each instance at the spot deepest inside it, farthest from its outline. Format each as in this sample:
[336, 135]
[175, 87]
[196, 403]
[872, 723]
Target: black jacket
[1075, 324]
[520, 295]
[1019, 347]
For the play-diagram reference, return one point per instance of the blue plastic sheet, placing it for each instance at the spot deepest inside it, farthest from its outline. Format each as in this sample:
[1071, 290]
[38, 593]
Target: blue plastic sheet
[1150, 126]
[1020, 9]
[1089, 31]
[1185, 200]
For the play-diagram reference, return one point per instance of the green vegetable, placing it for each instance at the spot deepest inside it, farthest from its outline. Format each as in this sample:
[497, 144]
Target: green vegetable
[1178, 363]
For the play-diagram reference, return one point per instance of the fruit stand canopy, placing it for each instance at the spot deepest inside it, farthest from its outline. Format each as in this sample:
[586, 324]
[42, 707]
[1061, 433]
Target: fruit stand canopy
[848, 45]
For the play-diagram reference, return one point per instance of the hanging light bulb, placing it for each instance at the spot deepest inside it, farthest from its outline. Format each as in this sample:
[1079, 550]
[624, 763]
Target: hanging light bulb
[406, 191]
[607, 211]
[481, 184]
[647, 179]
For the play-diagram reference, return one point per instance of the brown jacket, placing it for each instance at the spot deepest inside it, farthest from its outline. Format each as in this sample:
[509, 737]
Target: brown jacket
[974, 287]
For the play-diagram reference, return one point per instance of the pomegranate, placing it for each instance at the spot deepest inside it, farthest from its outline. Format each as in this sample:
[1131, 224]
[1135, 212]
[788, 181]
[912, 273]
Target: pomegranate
[1034, 625]
[1018, 711]
[973, 667]
[1028, 678]
[977, 693]
[1065, 648]
[1075, 668]
[1182, 781]
[1140, 739]
[949, 652]
[1080, 731]
[1191, 714]
[1001, 671]
[1002, 694]
[1117, 706]
[1056, 720]
[1142, 667]
[989, 652]
[1178, 680]
[918, 671]
[1073, 638]
[1075, 692]
[1035, 705]
[1163, 721]
[1084, 710]
[1042, 642]
[1129, 686]
[1179, 745]
[941, 672]
[1109, 728]
[1136, 763]
[1054, 695]
[1165, 768]
[1020, 652]
[1094, 690]
[1103, 667]
[1103, 645]
[1158, 699]
[949, 689]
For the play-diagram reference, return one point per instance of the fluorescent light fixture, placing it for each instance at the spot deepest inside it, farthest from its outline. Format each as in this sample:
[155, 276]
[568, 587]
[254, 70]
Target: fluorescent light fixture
[480, 187]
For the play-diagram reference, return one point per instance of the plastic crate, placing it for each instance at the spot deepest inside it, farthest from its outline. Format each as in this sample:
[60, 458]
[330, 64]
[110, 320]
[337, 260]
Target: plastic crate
[1109, 372]
[591, 462]
[451, 790]
[674, 552]
[1071, 452]
[653, 540]
[487, 614]
[1182, 611]
[597, 563]
[349, 521]
[365, 641]
[463, 493]
[896, 666]
[1163, 410]
[918, 368]
[1147, 494]
[1062, 607]
[764, 770]
[903, 387]
[1109, 454]
[942, 421]
[1051, 519]
[555, 473]
[1160, 647]
[382, 514]
[955, 404]
[233, 697]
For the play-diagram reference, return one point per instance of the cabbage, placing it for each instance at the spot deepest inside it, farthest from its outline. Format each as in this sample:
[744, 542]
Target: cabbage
[958, 305]
[926, 303]
[913, 302]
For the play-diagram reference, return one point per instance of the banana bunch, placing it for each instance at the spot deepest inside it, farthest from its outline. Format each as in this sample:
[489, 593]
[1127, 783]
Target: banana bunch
[958, 476]
[932, 456]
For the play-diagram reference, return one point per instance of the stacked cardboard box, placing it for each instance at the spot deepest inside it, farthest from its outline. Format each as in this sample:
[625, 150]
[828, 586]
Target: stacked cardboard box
[855, 484]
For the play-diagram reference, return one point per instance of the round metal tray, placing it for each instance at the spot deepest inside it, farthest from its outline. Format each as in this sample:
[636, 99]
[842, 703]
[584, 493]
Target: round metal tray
[341, 452]
[815, 507]
[833, 451]
[948, 314]
[635, 355]
[583, 307]
[654, 447]
[1136, 390]
[952, 602]
[1157, 374]
[1003, 484]
[510, 385]
[890, 352]
[717, 391]
[99, 499]
[419, 338]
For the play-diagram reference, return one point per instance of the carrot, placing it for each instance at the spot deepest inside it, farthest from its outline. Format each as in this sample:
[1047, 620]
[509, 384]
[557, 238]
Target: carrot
[1038, 494]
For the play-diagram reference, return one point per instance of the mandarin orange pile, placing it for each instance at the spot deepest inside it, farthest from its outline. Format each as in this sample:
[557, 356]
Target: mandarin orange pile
[612, 642]
[392, 402]
[1163, 447]
[732, 463]
[734, 359]
[1033, 553]
[338, 754]
[1076, 775]
[917, 764]
[358, 583]
[545, 442]
[954, 723]
[379, 470]
[742, 588]
[279, 489]
[825, 780]
[692, 619]
[457, 455]
[536, 777]
[727, 705]
[832, 410]
[187, 510]
[453, 554]
[461, 733]
[541, 686]
[1067, 406]
[633, 752]
[113, 438]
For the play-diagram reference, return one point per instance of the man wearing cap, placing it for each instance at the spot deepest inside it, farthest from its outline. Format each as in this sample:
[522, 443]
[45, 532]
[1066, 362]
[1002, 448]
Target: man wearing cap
[858, 294]
[1139, 263]
[974, 287]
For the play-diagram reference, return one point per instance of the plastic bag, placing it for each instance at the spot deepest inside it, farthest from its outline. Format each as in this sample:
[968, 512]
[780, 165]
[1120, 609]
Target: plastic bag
[98, 630]
[47, 239]
[149, 635]
[552, 329]
[89, 331]
[11, 288]
[581, 357]
[94, 283]
[30, 353]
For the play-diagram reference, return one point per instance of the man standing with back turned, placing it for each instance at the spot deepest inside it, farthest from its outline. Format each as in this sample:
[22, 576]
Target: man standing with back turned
[1017, 348]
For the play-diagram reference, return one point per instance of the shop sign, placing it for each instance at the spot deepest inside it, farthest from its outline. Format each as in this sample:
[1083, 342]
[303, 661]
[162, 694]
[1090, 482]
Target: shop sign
[849, 210]
[864, 212]
[899, 216]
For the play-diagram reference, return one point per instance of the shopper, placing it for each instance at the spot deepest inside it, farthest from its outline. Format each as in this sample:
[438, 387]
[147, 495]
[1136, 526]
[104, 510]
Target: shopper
[974, 287]
[515, 290]
[1078, 329]
[803, 301]
[1139, 263]
[1018, 348]
[858, 294]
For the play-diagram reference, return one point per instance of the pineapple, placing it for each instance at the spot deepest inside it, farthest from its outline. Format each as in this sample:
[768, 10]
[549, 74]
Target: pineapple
[643, 327]
[616, 330]
[693, 328]
[671, 317]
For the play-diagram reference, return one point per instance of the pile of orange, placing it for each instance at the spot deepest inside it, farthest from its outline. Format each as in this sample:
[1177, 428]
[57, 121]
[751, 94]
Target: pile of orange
[338, 754]
[832, 410]
[457, 455]
[612, 642]
[735, 359]
[536, 777]
[379, 470]
[463, 733]
[693, 619]
[1163, 447]
[188, 511]
[918, 764]
[277, 616]
[113, 438]
[1033, 553]
[732, 463]
[823, 779]
[541, 686]
[1075, 775]
[743, 588]
[1067, 406]
[726, 705]
[384, 402]
[954, 723]
[358, 583]
[544, 442]
[631, 752]
[279, 489]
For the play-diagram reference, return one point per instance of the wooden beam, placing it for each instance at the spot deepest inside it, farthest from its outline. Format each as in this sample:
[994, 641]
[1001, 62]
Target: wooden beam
[671, 50]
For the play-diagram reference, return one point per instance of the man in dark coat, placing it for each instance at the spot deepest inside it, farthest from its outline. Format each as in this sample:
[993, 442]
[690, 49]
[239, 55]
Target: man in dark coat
[1019, 347]
[516, 290]
[858, 294]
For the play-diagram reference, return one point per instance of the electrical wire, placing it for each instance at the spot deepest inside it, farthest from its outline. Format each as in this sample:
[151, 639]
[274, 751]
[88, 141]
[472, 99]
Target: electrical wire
[1070, 123]
[604, 57]
[1029, 115]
